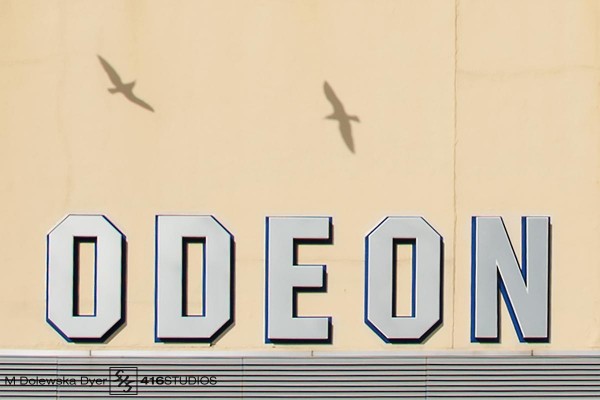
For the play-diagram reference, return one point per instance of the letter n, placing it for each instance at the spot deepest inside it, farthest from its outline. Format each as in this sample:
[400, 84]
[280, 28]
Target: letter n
[524, 288]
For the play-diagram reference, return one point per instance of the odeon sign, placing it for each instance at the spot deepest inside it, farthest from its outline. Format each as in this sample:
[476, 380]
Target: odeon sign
[494, 268]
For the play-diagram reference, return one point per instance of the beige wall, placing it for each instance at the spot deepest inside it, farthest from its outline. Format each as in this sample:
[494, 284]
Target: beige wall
[473, 108]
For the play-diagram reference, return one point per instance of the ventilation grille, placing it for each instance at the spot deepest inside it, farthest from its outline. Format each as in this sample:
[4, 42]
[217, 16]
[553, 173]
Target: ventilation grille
[318, 377]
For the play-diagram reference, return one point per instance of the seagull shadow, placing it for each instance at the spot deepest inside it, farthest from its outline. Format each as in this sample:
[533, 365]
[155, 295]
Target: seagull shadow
[124, 88]
[339, 114]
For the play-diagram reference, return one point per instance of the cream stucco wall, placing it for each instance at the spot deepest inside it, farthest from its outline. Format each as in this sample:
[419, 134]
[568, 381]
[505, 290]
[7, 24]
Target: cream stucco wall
[466, 108]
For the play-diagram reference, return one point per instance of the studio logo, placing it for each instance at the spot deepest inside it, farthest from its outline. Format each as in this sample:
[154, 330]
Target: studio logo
[123, 381]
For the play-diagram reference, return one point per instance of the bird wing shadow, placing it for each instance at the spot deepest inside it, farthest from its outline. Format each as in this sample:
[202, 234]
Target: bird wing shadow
[346, 131]
[333, 99]
[139, 102]
[110, 71]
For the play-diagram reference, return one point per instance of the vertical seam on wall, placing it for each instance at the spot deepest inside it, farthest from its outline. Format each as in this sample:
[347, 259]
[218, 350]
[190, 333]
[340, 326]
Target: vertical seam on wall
[454, 145]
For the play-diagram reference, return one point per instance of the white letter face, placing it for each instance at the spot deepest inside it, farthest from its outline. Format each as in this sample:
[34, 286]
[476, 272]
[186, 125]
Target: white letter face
[494, 267]
[172, 323]
[379, 286]
[284, 278]
[61, 290]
